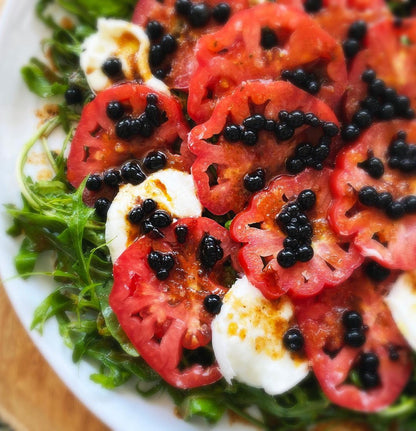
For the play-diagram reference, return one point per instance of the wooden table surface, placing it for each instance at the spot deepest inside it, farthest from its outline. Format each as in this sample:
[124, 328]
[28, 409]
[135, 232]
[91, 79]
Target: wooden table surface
[32, 397]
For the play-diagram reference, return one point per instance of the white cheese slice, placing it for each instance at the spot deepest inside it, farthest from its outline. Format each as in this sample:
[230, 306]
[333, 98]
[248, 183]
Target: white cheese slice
[247, 337]
[172, 190]
[123, 40]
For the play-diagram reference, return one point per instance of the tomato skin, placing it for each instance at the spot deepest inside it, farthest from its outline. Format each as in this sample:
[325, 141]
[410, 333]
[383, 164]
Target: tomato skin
[330, 265]
[350, 218]
[95, 146]
[161, 318]
[394, 64]
[302, 44]
[234, 160]
[320, 320]
[336, 16]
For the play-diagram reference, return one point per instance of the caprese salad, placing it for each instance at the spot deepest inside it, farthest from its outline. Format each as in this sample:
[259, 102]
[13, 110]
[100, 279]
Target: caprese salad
[233, 212]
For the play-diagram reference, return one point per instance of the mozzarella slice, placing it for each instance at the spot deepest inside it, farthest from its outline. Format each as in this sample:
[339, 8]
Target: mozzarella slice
[247, 337]
[127, 42]
[172, 190]
[402, 303]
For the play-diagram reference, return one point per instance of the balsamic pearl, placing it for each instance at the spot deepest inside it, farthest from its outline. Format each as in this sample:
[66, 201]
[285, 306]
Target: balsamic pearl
[213, 304]
[330, 129]
[255, 122]
[136, 215]
[221, 12]
[295, 165]
[181, 233]
[354, 338]
[357, 30]
[362, 118]
[255, 181]
[124, 128]
[376, 272]
[160, 219]
[306, 199]
[304, 253]
[154, 161]
[368, 196]
[154, 30]
[156, 55]
[268, 38]
[233, 133]
[352, 319]
[296, 119]
[373, 166]
[351, 48]
[168, 43]
[312, 5]
[293, 340]
[199, 15]
[210, 251]
[112, 177]
[183, 7]
[94, 182]
[368, 362]
[369, 380]
[409, 203]
[101, 207]
[114, 110]
[149, 205]
[395, 210]
[131, 172]
[350, 132]
[368, 76]
[286, 258]
[249, 138]
[112, 67]
[283, 131]
[73, 95]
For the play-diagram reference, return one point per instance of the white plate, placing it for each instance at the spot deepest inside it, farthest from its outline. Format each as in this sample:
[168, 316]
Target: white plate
[122, 409]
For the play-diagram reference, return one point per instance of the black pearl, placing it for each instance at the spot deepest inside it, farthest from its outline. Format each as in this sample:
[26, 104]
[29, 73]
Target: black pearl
[293, 340]
[183, 7]
[181, 233]
[312, 5]
[213, 303]
[283, 131]
[154, 30]
[160, 219]
[354, 338]
[376, 272]
[112, 177]
[124, 128]
[304, 253]
[154, 161]
[149, 205]
[352, 319]
[221, 12]
[233, 133]
[114, 110]
[385, 199]
[386, 112]
[168, 43]
[255, 122]
[377, 87]
[368, 76]
[362, 118]
[304, 150]
[330, 129]
[73, 95]
[199, 15]
[306, 199]
[312, 120]
[153, 115]
[154, 259]
[409, 203]
[101, 207]
[249, 138]
[373, 166]
[291, 243]
[156, 55]
[210, 251]
[296, 119]
[357, 30]
[112, 67]
[94, 182]
[368, 196]
[136, 214]
[295, 165]
[350, 47]
[132, 173]
[286, 258]
[369, 380]
[350, 132]
[152, 99]
[395, 210]
[162, 274]
[268, 38]
[368, 361]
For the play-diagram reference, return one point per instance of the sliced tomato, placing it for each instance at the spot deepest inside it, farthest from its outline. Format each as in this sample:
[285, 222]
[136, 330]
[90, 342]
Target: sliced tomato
[390, 242]
[181, 64]
[336, 16]
[96, 147]
[262, 236]
[232, 161]
[235, 54]
[161, 318]
[320, 321]
[394, 64]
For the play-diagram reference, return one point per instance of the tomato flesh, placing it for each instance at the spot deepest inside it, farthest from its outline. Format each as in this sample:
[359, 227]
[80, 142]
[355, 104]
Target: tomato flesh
[390, 242]
[163, 317]
[320, 320]
[256, 227]
[235, 54]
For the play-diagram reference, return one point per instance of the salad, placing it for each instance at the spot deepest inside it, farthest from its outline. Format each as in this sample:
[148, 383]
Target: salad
[232, 211]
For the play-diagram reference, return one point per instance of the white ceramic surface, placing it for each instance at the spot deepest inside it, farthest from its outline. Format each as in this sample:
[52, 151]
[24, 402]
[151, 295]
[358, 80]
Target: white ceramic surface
[122, 409]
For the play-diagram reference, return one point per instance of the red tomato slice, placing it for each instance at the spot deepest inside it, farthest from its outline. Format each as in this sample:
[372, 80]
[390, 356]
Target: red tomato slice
[394, 64]
[262, 237]
[234, 160]
[235, 54]
[161, 318]
[96, 146]
[336, 16]
[182, 62]
[392, 243]
[320, 321]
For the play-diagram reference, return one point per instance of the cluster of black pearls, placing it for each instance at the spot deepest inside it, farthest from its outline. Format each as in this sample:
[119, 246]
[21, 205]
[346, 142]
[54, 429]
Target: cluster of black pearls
[213, 303]
[199, 14]
[293, 340]
[382, 104]
[312, 6]
[295, 224]
[401, 155]
[161, 263]
[302, 79]
[150, 219]
[394, 209]
[144, 125]
[161, 46]
[368, 364]
[210, 251]
[356, 33]
[354, 335]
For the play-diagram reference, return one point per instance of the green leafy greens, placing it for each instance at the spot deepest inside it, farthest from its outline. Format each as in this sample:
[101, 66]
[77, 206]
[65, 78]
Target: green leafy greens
[54, 219]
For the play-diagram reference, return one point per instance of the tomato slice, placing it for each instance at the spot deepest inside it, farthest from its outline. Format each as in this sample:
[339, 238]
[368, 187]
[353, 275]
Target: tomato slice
[163, 317]
[181, 63]
[389, 241]
[263, 239]
[233, 160]
[238, 53]
[96, 147]
[394, 64]
[336, 16]
[321, 321]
